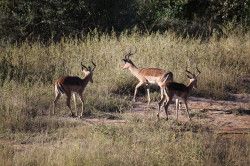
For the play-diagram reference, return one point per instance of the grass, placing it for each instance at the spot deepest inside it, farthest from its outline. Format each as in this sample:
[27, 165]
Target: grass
[133, 143]
[29, 137]
[221, 62]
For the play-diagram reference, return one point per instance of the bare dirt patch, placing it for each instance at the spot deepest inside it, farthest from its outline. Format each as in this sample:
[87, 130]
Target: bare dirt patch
[221, 116]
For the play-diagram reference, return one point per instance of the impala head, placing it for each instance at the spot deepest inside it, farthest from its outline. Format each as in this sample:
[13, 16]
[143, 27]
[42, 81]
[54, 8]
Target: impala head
[88, 71]
[127, 61]
[193, 77]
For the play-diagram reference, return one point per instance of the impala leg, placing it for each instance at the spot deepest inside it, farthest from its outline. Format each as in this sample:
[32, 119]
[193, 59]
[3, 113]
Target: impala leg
[148, 91]
[137, 86]
[177, 107]
[74, 98]
[185, 102]
[81, 98]
[164, 98]
[162, 92]
[166, 106]
[179, 104]
[166, 95]
[160, 104]
[58, 95]
[68, 104]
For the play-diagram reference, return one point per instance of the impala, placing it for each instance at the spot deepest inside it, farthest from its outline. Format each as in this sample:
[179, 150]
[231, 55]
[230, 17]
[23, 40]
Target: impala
[69, 85]
[180, 90]
[147, 76]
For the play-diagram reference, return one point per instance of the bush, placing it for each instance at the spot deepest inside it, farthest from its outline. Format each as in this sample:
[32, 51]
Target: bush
[46, 20]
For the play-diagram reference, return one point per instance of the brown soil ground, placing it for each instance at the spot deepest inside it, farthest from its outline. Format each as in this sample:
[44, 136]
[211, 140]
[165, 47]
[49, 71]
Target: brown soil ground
[225, 117]
[220, 115]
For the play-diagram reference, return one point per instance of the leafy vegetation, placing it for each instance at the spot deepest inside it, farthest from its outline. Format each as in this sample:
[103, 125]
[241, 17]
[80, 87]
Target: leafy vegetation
[45, 20]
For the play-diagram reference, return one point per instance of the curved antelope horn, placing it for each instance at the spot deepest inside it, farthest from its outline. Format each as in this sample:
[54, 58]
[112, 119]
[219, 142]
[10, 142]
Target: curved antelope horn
[199, 72]
[132, 53]
[83, 66]
[93, 65]
[189, 72]
[189, 76]
[127, 55]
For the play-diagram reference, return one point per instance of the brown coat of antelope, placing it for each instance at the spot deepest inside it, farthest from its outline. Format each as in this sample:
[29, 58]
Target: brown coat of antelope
[180, 90]
[147, 76]
[73, 84]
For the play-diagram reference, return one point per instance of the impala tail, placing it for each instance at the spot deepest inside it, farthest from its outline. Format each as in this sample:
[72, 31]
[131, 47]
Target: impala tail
[59, 88]
[168, 77]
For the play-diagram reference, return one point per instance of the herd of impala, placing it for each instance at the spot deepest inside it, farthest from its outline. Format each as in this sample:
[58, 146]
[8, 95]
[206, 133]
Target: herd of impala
[72, 85]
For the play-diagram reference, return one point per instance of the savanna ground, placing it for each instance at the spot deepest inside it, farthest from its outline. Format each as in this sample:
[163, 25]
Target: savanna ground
[116, 131]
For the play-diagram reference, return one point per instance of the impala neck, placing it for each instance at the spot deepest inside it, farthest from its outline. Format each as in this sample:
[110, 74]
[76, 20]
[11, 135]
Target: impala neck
[134, 70]
[191, 85]
[86, 79]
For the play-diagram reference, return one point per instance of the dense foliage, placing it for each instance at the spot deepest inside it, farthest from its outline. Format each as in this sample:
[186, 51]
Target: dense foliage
[46, 19]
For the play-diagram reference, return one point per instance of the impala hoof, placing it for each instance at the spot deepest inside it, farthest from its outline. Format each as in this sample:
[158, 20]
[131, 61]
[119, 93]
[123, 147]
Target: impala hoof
[80, 116]
[72, 115]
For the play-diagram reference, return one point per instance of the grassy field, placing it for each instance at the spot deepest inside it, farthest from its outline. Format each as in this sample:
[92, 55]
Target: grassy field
[138, 142]
[28, 71]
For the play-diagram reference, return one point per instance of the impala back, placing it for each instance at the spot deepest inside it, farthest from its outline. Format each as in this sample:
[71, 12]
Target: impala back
[70, 83]
[155, 75]
[178, 89]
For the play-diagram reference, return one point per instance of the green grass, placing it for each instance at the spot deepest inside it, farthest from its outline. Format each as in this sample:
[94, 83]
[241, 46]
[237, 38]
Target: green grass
[27, 74]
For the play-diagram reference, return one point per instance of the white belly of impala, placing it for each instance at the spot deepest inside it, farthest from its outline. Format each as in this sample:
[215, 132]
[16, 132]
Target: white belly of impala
[152, 80]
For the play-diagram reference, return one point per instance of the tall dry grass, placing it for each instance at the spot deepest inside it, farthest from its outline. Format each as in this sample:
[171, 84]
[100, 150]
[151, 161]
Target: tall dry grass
[26, 77]
[222, 61]
[147, 142]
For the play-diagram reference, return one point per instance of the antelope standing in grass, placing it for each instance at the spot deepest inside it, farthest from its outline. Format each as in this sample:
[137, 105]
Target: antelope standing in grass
[147, 76]
[180, 90]
[73, 84]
